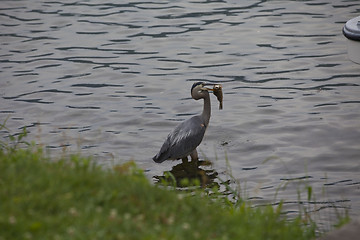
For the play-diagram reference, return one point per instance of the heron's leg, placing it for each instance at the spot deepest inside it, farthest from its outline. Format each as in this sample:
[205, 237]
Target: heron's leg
[184, 160]
[194, 155]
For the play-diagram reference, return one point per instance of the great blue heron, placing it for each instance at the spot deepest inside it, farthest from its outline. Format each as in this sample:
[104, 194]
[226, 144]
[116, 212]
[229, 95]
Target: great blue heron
[185, 138]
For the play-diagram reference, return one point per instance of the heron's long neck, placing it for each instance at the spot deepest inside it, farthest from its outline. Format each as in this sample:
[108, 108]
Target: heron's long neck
[207, 110]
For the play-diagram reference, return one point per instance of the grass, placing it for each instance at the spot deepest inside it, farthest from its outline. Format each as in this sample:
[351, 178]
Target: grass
[72, 198]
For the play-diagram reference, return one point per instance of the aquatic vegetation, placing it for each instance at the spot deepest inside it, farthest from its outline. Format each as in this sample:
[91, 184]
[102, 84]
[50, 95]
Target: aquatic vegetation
[13, 141]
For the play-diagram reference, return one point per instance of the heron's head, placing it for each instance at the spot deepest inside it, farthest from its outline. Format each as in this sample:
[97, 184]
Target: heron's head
[198, 90]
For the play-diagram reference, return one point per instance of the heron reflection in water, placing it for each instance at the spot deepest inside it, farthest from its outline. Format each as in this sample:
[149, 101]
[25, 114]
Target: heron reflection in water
[185, 175]
[185, 138]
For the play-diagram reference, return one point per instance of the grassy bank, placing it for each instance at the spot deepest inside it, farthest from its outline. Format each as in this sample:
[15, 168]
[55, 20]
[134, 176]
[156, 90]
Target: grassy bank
[71, 198]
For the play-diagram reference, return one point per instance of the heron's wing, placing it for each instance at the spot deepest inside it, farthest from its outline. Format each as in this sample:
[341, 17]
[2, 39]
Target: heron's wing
[182, 140]
[189, 133]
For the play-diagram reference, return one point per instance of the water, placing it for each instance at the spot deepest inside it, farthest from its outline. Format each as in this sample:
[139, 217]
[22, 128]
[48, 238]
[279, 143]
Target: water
[112, 79]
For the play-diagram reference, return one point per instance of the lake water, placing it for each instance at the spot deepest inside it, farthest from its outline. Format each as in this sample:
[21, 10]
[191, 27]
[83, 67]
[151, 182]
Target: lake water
[113, 79]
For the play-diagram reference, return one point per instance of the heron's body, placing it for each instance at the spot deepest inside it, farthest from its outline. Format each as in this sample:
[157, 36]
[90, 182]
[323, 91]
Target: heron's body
[185, 138]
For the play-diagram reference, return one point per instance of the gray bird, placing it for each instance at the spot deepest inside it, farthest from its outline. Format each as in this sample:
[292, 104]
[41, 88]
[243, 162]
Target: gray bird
[184, 139]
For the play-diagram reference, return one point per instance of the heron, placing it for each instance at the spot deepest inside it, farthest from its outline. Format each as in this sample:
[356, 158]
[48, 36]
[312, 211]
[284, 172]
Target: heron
[187, 136]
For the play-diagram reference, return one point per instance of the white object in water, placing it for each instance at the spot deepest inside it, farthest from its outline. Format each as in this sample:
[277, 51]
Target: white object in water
[351, 31]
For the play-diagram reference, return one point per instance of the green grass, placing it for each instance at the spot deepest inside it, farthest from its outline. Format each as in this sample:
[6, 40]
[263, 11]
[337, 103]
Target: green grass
[72, 198]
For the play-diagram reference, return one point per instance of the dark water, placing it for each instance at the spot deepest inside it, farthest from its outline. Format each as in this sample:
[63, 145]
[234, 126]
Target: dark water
[112, 79]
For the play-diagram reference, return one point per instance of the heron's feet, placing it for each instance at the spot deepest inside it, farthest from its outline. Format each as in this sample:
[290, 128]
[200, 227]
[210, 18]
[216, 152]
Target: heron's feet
[193, 163]
[184, 160]
[194, 156]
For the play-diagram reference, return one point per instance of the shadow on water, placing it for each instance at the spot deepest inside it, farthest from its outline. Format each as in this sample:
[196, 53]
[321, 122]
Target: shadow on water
[187, 174]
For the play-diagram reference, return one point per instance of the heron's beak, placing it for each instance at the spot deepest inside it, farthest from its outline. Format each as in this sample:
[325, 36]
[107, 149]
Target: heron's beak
[207, 89]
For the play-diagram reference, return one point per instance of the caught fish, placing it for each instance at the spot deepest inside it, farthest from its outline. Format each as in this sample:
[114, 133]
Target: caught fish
[219, 94]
